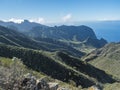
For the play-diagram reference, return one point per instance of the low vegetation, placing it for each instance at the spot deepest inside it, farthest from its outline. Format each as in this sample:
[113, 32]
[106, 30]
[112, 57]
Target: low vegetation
[67, 70]
[13, 71]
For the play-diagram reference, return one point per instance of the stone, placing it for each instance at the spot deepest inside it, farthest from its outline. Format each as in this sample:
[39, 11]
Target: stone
[53, 86]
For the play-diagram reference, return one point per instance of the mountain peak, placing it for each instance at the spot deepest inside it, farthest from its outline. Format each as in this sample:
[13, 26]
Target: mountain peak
[26, 21]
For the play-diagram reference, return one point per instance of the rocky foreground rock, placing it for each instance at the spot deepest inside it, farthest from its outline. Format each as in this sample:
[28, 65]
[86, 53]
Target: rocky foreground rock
[29, 82]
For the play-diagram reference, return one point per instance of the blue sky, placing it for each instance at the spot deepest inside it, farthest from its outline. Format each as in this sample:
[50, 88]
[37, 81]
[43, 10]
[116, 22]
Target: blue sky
[55, 11]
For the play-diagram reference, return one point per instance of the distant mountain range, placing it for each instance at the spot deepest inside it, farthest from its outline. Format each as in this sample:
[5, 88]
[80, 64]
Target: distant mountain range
[75, 36]
[110, 30]
[24, 26]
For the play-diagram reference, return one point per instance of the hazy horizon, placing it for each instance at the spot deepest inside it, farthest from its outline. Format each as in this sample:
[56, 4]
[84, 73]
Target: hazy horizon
[59, 11]
[66, 12]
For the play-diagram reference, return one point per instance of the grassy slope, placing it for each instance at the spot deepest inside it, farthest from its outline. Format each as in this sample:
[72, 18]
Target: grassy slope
[85, 68]
[114, 86]
[37, 60]
[110, 66]
[107, 59]
[8, 65]
[69, 68]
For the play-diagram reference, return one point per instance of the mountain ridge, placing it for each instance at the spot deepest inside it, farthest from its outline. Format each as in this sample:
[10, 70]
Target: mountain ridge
[23, 26]
[72, 35]
[15, 38]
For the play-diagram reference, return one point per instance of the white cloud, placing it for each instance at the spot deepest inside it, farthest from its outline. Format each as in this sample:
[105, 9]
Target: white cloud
[38, 20]
[67, 17]
[15, 20]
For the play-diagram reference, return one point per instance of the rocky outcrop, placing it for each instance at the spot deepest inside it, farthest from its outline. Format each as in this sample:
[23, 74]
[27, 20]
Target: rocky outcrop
[31, 83]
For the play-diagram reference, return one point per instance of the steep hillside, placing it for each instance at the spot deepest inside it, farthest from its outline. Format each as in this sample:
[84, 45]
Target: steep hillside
[107, 59]
[40, 62]
[84, 67]
[109, 29]
[66, 70]
[73, 35]
[13, 72]
[12, 37]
